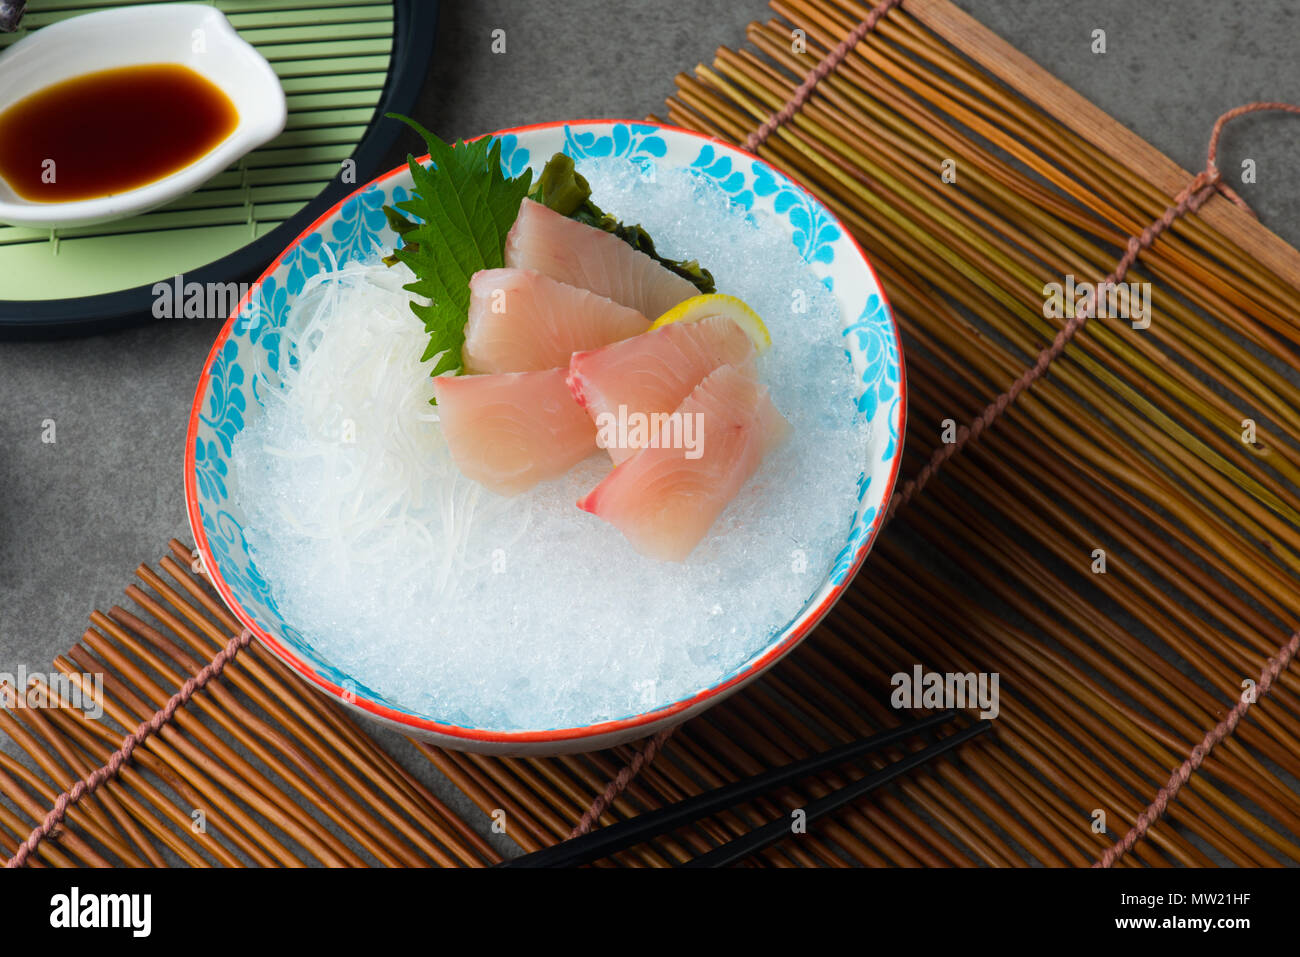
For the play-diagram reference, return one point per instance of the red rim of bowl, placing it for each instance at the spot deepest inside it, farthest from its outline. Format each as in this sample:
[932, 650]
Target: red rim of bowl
[808, 620]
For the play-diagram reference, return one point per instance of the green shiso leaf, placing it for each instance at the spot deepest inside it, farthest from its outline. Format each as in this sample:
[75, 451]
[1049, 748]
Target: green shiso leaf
[464, 206]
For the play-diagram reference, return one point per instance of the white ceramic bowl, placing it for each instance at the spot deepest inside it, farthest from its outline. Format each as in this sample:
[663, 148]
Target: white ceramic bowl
[231, 390]
[190, 34]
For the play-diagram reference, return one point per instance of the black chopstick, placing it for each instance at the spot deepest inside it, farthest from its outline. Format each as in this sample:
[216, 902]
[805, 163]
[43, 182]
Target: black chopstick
[759, 838]
[609, 840]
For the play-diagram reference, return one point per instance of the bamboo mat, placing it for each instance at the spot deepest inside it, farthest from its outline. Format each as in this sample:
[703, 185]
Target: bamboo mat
[258, 769]
[1131, 449]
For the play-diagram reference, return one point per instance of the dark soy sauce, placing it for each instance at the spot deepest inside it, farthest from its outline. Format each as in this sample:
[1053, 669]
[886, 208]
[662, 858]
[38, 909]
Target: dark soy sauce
[111, 131]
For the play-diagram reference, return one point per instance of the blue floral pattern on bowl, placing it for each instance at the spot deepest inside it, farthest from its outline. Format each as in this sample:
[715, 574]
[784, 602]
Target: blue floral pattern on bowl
[632, 141]
[718, 166]
[815, 230]
[514, 157]
[244, 362]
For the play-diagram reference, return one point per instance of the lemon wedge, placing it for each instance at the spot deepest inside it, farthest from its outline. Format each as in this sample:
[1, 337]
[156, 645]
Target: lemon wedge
[720, 304]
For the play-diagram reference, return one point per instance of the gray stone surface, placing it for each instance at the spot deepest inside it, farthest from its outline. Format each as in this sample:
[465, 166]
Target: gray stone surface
[78, 515]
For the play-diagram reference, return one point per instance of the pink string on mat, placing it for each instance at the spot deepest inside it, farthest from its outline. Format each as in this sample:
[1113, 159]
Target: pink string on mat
[816, 75]
[1276, 665]
[619, 783]
[1190, 199]
[91, 782]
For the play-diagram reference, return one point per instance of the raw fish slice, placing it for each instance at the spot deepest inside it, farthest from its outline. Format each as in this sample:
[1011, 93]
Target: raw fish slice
[522, 321]
[663, 501]
[591, 258]
[654, 372]
[513, 430]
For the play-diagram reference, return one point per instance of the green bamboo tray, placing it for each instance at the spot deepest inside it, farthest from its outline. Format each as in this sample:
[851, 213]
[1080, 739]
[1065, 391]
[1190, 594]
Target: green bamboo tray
[343, 64]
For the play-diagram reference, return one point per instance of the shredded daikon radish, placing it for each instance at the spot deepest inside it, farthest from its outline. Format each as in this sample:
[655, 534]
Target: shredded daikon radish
[350, 416]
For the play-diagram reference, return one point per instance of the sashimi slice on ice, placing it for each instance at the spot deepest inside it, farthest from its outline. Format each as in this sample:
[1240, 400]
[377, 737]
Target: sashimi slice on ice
[513, 430]
[522, 321]
[654, 372]
[590, 258]
[662, 499]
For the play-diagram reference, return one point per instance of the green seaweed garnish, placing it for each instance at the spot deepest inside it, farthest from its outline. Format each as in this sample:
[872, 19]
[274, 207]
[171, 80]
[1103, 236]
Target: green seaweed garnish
[565, 190]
